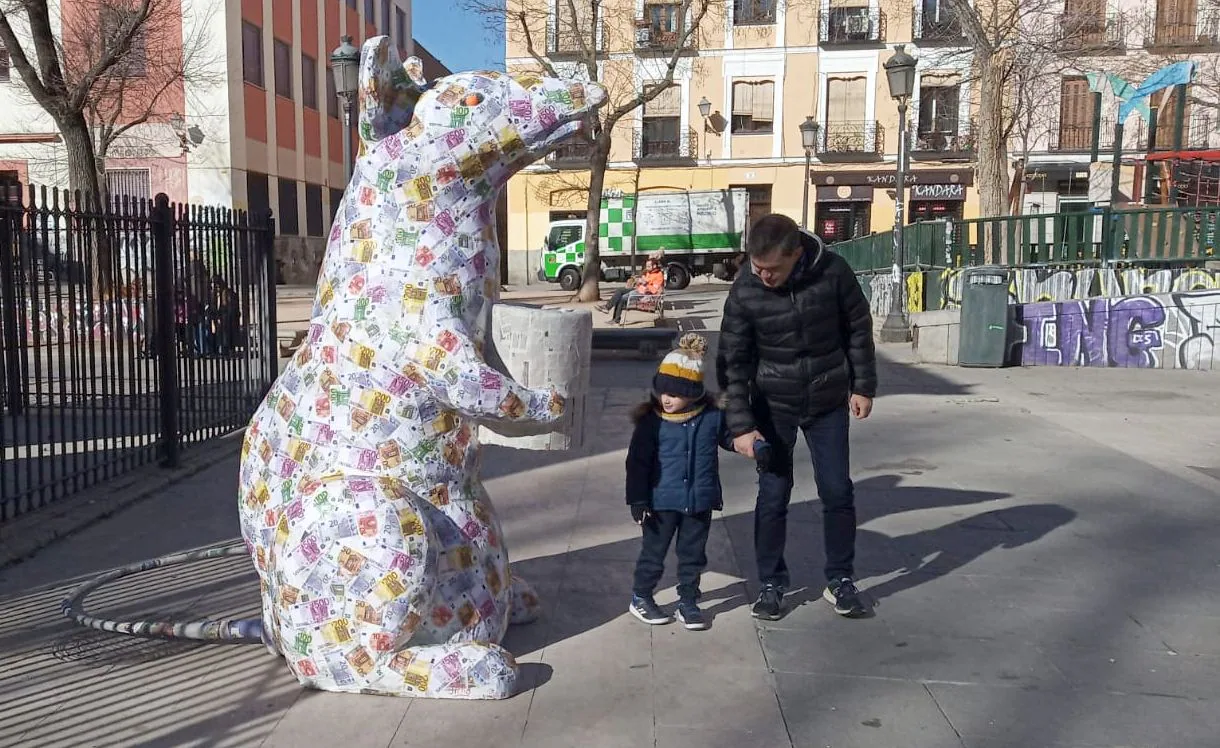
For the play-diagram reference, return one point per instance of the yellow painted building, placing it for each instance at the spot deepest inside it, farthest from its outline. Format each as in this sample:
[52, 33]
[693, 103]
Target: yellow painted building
[762, 67]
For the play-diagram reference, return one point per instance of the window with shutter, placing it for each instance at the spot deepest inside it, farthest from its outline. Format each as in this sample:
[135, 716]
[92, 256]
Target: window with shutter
[753, 106]
[573, 25]
[1075, 114]
[1176, 21]
[662, 124]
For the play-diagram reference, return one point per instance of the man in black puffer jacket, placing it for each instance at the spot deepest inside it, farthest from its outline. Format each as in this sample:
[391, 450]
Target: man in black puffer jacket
[796, 353]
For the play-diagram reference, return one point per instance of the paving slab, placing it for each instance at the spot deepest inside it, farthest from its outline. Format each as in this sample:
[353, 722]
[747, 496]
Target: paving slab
[1039, 544]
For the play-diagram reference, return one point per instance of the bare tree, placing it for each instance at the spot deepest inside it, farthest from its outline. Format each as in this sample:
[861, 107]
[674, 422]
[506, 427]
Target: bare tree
[582, 32]
[147, 84]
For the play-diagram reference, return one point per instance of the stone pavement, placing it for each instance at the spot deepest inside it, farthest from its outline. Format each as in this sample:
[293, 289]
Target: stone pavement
[1040, 544]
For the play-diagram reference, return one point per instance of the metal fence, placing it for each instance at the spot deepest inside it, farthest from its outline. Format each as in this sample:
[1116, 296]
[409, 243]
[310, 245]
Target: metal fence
[131, 331]
[1170, 236]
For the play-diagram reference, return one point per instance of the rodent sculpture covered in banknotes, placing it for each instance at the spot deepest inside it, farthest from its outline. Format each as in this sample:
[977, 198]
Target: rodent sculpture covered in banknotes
[382, 565]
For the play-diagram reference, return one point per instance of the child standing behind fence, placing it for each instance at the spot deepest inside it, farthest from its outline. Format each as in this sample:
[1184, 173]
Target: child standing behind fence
[673, 481]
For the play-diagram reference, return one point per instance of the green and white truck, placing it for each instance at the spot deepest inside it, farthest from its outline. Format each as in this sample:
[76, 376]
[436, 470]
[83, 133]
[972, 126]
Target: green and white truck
[700, 232]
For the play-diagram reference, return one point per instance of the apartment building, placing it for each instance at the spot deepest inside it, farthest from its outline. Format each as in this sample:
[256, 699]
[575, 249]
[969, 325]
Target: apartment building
[764, 67]
[261, 130]
[1129, 39]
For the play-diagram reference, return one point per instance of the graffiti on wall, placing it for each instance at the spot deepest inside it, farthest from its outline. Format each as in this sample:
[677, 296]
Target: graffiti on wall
[1169, 331]
[1031, 285]
[880, 291]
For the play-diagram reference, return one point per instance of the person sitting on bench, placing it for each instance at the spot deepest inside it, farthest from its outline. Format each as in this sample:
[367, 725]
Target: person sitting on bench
[651, 283]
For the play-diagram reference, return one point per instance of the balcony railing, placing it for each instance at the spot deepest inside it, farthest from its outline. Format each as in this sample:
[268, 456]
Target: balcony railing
[568, 42]
[754, 12]
[1188, 30]
[1093, 32]
[653, 37]
[946, 29]
[945, 141]
[570, 155]
[646, 147]
[1072, 138]
[1196, 133]
[850, 25]
[851, 139]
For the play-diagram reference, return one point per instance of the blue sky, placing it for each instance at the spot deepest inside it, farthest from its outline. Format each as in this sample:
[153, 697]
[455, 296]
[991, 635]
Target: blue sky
[457, 37]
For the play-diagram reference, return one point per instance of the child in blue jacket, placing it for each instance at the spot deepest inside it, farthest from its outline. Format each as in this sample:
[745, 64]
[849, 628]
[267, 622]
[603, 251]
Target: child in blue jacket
[673, 481]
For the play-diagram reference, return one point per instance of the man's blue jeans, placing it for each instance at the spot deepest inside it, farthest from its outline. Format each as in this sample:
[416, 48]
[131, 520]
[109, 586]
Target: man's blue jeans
[827, 438]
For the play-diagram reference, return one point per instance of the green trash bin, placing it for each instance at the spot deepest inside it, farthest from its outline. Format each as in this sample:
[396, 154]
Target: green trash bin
[986, 317]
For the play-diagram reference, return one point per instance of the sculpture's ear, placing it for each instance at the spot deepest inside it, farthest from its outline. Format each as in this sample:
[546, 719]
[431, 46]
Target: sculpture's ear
[388, 90]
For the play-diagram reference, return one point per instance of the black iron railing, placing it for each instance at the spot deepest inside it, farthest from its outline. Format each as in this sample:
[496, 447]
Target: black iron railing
[942, 27]
[945, 140]
[1201, 29]
[130, 332]
[850, 138]
[753, 12]
[571, 154]
[565, 41]
[664, 33]
[850, 25]
[1072, 138]
[1096, 33]
[647, 146]
[1196, 132]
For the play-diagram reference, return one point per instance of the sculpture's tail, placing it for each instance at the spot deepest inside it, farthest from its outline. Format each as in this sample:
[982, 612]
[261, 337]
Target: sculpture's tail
[238, 630]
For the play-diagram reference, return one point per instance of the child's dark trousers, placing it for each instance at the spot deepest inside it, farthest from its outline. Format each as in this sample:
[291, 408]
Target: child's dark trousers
[691, 550]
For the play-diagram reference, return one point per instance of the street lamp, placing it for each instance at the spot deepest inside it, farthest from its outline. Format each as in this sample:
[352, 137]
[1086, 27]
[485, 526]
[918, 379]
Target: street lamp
[809, 135]
[900, 73]
[705, 109]
[345, 66]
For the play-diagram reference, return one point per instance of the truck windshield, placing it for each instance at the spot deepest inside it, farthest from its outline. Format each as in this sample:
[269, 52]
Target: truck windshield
[561, 236]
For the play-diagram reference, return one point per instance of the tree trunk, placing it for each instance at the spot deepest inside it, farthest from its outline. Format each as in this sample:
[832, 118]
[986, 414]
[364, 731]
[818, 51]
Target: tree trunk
[590, 284]
[992, 151]
[83, 180]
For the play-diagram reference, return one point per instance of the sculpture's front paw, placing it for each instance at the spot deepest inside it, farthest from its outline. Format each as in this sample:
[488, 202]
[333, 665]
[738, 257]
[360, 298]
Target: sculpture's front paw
[525, 606]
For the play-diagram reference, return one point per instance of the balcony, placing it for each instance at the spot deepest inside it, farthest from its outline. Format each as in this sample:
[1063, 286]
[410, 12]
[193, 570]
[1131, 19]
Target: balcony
[944, 30]
[648, 148]
[661, 30]
[1093, 33]
[947, 141]
[1196, 134]
[1073, 139]
[1188, 31]
[568, 42]
[850, 141]
[843, 26]
[574, 154]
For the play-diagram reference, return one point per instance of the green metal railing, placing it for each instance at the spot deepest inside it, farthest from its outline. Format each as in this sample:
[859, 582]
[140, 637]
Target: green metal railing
[1134, 236]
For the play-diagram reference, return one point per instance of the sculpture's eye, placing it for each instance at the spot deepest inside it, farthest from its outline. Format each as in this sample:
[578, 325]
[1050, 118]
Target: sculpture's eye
[473, 99]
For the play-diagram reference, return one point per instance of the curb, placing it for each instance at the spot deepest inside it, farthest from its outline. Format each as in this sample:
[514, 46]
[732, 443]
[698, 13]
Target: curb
[28, 534]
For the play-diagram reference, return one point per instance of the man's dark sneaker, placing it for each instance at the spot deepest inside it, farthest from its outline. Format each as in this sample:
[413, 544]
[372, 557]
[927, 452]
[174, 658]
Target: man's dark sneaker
[647, 610]
[691, 617]
[845, 598]
[770, 603]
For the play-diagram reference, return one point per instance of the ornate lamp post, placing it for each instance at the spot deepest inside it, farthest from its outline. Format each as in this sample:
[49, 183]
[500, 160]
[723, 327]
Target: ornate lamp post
[900, 73]
[705, 110]
[345, 66]
[809, 134]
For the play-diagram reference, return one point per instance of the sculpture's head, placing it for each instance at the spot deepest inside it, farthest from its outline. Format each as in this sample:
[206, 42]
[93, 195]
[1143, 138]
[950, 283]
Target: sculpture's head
[488, 125]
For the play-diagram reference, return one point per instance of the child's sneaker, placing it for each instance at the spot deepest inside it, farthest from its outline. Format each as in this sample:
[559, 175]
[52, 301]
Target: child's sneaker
[691, 617]
[647, 610]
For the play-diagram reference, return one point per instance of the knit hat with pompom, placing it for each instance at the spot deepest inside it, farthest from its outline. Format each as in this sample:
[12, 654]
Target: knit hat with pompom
[681, 371]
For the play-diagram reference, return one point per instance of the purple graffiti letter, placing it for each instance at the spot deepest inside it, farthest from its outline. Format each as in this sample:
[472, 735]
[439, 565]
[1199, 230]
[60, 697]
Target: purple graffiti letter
[1082, 332]
[1135, 331]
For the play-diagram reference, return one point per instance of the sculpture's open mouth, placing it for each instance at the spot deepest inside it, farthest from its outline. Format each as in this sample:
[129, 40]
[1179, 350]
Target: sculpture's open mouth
[574, 121]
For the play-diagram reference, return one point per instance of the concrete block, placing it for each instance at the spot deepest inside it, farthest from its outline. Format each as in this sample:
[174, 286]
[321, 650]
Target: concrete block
[935, 336]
